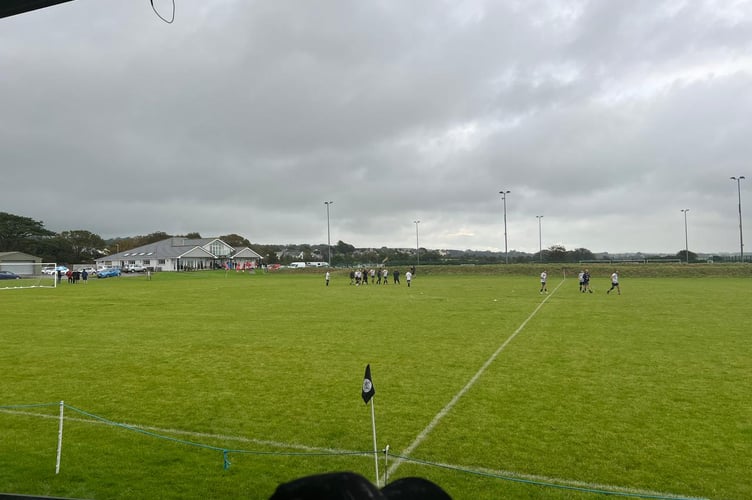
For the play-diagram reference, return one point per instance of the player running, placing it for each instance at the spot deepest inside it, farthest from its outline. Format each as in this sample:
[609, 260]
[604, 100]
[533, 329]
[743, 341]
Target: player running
[614, 283]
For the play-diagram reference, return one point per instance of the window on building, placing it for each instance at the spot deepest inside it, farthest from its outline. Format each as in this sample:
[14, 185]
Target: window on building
[219, 249]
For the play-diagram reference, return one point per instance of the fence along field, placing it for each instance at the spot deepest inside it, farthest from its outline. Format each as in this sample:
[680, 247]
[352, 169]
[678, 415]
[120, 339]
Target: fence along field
[640, 394]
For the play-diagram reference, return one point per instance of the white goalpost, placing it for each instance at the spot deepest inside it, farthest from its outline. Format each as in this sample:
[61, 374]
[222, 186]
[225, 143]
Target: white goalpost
[16, 275]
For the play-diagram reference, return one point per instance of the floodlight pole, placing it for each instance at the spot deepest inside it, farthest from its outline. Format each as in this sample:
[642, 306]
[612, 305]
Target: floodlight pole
[540, 239]
[686, 241]
[328, 233]
[739, 192]
[417, 243]
[504, 199]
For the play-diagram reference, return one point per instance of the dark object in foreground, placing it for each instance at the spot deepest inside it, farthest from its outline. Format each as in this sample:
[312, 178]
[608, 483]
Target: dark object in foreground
[414, 488]
[13, 7]
[330, 486]
[351, 486]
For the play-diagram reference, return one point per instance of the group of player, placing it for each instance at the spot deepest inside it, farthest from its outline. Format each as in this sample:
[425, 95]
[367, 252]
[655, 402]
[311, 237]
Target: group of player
[584, 280]
[377, 276]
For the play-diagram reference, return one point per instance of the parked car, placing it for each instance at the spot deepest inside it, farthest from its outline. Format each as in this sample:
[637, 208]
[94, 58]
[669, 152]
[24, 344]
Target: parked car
[7, 275]
[134, 268]
[109, 272]
[55, 270]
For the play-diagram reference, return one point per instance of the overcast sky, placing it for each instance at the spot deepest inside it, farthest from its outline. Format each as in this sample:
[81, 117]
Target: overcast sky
[605, 117]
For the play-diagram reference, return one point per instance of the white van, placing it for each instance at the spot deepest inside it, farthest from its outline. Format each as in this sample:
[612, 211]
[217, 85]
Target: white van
[296, 265]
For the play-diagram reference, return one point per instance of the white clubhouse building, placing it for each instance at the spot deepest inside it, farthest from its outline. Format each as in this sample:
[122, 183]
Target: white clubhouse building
[184, 254]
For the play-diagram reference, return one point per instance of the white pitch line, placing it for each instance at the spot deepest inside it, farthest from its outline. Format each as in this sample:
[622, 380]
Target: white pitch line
[424, 433]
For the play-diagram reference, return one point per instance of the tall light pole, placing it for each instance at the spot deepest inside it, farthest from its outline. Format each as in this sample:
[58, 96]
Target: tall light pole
[417, 243]
[686, 241]
[328, 233]
[739, 192]
[540, 239]
[504, 199]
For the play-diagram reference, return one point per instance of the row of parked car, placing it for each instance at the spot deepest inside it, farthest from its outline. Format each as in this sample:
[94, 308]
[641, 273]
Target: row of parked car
[107, 272]
[99, 273]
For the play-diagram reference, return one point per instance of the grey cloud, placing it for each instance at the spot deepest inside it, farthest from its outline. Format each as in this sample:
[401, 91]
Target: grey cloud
[606, 117]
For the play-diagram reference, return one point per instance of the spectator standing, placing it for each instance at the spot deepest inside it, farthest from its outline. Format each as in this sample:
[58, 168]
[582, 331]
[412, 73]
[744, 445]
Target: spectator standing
[395, 276]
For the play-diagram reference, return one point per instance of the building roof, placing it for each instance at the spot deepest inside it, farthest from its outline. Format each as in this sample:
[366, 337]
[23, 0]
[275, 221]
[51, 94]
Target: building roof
[18, 256]
[245, 253]
[177, 247]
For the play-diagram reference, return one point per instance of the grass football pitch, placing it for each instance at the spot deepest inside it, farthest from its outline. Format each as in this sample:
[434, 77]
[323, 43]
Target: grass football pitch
[223, 385]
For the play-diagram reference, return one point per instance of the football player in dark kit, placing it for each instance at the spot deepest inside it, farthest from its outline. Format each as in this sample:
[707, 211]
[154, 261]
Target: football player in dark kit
[586, 282]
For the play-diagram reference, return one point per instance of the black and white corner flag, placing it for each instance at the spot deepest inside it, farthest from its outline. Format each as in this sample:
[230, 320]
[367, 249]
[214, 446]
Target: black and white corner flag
[368, 389]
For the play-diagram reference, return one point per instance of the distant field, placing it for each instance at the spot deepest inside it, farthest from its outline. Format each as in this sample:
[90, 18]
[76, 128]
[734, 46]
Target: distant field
[486, 387]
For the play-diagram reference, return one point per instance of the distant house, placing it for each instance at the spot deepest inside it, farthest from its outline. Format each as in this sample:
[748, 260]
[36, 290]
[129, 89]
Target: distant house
[19, 262]
[292, 254]
[184, 254]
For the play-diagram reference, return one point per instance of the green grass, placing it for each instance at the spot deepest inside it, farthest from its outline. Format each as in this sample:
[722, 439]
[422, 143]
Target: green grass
[649, 390]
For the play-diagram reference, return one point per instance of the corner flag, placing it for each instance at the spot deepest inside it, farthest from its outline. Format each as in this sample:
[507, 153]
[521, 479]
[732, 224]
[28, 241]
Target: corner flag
[368, 389]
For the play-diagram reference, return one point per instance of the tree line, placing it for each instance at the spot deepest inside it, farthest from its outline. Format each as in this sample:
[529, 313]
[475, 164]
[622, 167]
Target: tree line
[24, 234]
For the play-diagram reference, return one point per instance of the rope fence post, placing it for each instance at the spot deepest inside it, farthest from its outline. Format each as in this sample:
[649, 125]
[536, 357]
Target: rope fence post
[59, 439]
[386, 465]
